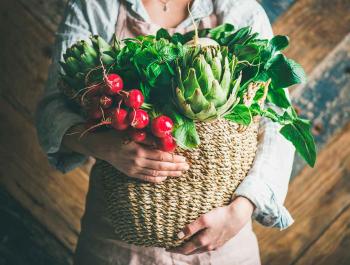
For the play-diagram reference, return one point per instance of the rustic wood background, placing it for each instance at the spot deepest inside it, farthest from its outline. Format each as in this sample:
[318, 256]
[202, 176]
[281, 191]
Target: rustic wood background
[40, 208]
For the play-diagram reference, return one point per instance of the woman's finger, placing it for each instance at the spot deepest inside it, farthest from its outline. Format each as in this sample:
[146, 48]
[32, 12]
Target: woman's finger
[157, 173]
[158, 155]
[162, 166]
[194, 227]
[151, 179]
[197, 243]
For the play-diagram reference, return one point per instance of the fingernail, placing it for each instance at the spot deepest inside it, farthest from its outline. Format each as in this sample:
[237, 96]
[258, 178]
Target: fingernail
[181, 235]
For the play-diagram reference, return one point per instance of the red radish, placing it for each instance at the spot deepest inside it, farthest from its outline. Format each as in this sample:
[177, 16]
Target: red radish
[167, 143]
[106, 101]
[120, 120]
[114, 84]
[138, 118]
[162, 126]
[138, 136]
[134, 99]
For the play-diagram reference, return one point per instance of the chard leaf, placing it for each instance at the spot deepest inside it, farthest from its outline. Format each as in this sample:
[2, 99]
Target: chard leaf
[186, 135]
[279, 43]
[285, 72]
[240, 114]
[278, 97]
[299, 134]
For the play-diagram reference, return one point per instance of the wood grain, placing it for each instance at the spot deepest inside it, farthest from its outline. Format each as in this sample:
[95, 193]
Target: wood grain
[333, 246]
[315, 27]
[24, 240]
[55, 199]
[316, 197]
[274, 9]
[47, 12]
[25, 56]
[325, 98]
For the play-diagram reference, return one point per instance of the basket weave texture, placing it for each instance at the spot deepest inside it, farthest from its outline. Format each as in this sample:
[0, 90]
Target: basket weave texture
[151, 214]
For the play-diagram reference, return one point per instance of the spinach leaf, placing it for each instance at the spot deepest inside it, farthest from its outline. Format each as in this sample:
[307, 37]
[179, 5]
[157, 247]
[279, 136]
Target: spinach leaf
[163, 34]
[278, 97]
[240, 114]
[285, 72]
[299, 134]
[279, 43]
[217, 32]
[246, 52]
[186, 134]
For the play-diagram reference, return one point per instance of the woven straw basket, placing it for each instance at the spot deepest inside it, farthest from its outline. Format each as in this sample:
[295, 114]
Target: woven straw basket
[151, 214]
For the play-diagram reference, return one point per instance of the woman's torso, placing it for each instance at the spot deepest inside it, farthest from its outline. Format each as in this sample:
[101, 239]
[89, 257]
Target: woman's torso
[97, 244]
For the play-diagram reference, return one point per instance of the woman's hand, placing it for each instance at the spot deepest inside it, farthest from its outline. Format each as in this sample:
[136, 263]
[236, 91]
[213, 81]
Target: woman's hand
[135, 160]
[215, 228]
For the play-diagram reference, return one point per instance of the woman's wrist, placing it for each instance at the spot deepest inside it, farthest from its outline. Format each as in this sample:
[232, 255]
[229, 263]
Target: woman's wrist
[243, 205]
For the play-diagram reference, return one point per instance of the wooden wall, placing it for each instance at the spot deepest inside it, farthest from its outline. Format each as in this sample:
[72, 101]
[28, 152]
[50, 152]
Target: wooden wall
[40, 208]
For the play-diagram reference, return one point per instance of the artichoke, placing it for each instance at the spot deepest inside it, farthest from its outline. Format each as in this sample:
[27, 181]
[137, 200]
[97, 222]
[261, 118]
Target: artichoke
[206, 86]
[83, 57]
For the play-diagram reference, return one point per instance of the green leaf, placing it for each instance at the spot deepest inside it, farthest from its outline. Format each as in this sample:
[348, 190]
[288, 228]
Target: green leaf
[186, 135]
[163, 34]
[279, 43]
[278, 97]
[299, 134]
[240, 114]
[246, 52]
[145, 89]
[216, 32]
[177, 38]
[272, 115]
[285, 72]
[240, 36]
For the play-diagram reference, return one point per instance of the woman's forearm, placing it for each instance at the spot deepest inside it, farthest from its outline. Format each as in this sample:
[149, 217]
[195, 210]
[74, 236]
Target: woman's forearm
[73, 140]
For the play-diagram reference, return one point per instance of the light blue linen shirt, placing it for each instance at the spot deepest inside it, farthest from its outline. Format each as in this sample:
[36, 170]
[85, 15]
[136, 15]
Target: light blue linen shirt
[267, 182]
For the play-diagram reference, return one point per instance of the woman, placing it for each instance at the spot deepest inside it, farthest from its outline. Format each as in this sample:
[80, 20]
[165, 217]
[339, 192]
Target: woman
[222, 236]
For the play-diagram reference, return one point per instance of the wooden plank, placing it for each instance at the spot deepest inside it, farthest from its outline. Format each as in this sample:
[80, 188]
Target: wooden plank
[333, 246]
[315, 199]
[24, 241]
[48, 12]
[325, 98]
[25, 56]
[315, 28]
[55, 199]
[275, 9]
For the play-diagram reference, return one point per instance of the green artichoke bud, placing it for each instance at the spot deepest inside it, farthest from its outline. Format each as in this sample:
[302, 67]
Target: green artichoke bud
[206, 85]
[82, 57]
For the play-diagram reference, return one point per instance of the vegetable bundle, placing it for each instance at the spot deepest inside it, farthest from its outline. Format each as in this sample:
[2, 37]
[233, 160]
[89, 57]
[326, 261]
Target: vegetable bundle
[162, 85]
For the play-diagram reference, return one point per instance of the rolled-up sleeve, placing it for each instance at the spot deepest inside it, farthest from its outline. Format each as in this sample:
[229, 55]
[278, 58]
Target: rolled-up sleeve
[267, 182]
[53, 115]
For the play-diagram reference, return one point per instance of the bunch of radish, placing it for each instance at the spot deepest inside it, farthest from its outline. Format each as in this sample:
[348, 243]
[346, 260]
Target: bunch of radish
[108, 104]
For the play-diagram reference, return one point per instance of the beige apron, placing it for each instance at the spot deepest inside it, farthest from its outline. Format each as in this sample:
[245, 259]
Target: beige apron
[97, 244]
